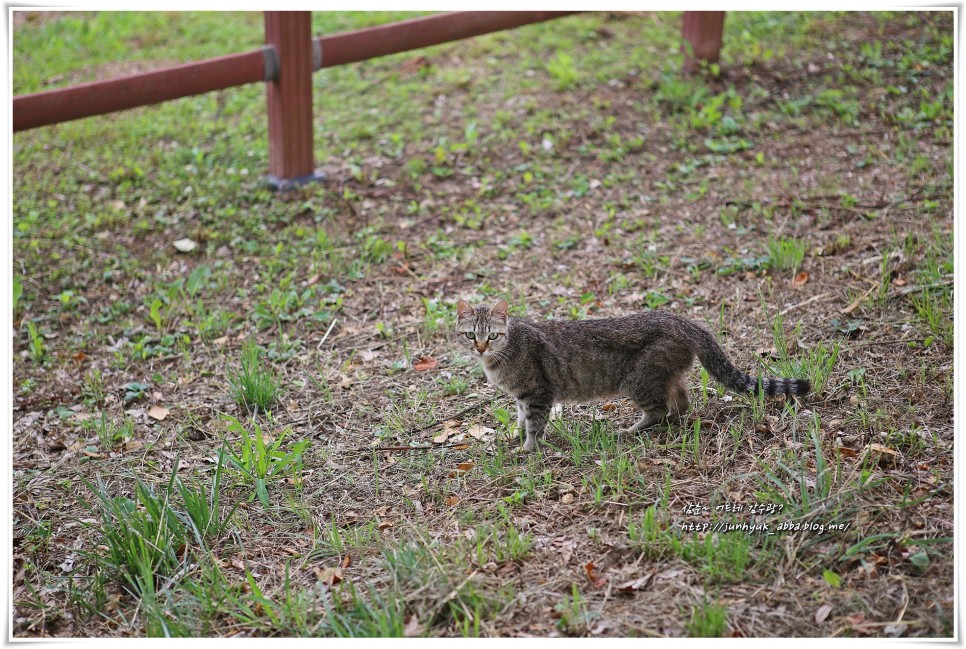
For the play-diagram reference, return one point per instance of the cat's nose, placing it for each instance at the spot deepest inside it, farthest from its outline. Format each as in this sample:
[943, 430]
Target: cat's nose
[480, 348]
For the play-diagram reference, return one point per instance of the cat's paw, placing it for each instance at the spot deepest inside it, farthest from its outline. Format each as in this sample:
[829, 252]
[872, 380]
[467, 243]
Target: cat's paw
[530, 445]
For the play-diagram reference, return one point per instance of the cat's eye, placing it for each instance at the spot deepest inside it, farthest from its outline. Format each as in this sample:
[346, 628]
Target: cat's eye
[493, 336]
[470, 335]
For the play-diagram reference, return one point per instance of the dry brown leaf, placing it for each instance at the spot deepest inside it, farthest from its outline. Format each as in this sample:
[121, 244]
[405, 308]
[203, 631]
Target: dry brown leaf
[822, 613]
[800, 279]
[636, 584]
[220, 341]
[478, 432]
[451, 500]
[883, 454]
[328, 576]
[158, 412]
[132, 445]
[413, 628]
[846, 451]
[346, 561]
[465, 466]
[593, 575]
[92, 454]
[443, 436]
[425, 363]
[610, 405]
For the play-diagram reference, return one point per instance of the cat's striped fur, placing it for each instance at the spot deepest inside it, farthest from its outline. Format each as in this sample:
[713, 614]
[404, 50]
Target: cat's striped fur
[644, 357]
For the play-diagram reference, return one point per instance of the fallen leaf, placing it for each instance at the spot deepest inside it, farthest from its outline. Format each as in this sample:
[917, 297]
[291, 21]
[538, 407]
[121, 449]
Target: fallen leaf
[132, 445]
[567, 498]
[414, 64]
[899, 281]
[465, 466]
[610, 405]
[425, 363]
[883, 454]
[92, 454]
[593, 575]
[346, 561]
[478, 432]
[451, 500]
[800, 278]
[220, 341]
[79, 357]
[442, 437]
[158, 412]
[822, 613]
[852, 307]
[185, 245]
[846, 451]
[412, 628]
[636, 584]
[329, 576]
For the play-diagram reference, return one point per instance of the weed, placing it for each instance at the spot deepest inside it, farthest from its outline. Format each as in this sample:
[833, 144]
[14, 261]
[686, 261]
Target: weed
[254, 387]
[259, 463]
[574, 618]
[38, 350]
[786, 253]
[708, 621]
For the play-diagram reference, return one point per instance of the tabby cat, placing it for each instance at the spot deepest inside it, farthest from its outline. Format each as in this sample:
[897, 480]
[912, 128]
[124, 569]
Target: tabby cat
[644, 357]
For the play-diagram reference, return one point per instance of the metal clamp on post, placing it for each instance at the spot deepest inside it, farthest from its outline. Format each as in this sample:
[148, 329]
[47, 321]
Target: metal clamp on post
[271, 62]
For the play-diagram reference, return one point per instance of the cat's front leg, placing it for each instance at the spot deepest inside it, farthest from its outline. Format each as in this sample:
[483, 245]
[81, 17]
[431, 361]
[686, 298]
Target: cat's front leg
[536, 420]
[521, 415]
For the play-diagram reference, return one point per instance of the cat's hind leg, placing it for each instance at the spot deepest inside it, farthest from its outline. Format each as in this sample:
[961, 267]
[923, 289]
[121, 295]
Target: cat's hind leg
[659, 399]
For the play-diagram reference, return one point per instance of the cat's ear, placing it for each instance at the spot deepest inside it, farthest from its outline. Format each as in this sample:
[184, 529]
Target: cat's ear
[463, 309]
[500, 310]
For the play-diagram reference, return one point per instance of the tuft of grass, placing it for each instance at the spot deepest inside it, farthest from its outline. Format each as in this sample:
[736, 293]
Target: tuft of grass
[254, 387]
[258, 462]
[38, 350]
[708, 621]
[786, 253]
[205, 511]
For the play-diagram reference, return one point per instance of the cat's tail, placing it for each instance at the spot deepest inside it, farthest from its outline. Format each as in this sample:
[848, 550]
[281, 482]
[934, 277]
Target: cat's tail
[716, 361]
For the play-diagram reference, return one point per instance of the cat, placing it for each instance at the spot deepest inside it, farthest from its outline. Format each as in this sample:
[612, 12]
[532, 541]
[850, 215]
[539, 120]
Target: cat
[644, 357]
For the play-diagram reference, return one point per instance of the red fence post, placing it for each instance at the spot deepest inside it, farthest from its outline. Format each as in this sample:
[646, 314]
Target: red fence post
[702, 32]
[290, 155]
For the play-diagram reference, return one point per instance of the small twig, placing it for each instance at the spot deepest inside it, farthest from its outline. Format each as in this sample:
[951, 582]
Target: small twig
[462, 412]
[808, 301]
[409, 448]
[327, 331]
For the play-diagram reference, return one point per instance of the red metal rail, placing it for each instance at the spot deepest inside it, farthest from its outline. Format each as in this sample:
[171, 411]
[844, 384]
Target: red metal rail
[417, 33]
[100, 97]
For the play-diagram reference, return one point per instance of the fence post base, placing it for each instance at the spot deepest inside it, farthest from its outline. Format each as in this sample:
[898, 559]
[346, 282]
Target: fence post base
[702, 33]
[277, 184]
[290, 143]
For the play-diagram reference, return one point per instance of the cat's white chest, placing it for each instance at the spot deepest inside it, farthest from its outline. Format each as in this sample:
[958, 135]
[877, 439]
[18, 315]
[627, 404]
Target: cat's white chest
[493, 374]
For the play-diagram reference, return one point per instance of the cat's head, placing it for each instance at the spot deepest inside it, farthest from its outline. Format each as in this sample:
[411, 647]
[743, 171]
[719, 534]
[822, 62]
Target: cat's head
[483, 330]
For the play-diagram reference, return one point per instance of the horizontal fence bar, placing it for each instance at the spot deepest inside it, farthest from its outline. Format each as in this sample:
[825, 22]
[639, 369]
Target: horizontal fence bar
[100, 97]
[372, 42]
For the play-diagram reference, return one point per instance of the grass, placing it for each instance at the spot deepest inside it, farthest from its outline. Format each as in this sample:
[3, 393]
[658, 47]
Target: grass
[294, 487]
[255, 386]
